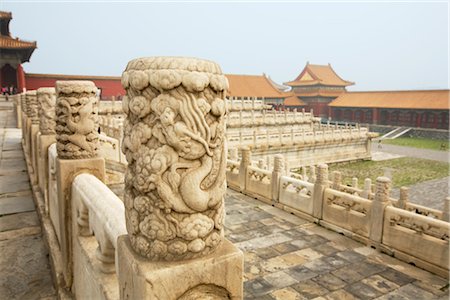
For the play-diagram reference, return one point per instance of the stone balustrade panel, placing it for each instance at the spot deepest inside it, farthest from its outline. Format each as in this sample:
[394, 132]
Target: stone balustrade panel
[233, 174]
[297, 194]
[258, 183]
[416, 235]
[347, 211]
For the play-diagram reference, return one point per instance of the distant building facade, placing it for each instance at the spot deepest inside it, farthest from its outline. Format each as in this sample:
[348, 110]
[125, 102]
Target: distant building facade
[421, 108]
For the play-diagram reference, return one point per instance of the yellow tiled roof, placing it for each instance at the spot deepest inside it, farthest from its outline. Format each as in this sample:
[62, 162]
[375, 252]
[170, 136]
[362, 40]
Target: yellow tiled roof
[424, 99]
[319, 74]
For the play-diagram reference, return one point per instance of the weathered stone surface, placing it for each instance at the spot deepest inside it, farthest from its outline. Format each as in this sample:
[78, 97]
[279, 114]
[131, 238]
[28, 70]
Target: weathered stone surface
[25, 273]
[47, 99]
[17, 221]
[76, 119]
[174, 142]
[140, 278]
[12, 205]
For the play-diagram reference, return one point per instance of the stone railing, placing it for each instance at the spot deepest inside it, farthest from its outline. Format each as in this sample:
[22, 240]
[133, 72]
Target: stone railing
[278, 138]
[270, 118]
[361, 213]
[246, 104]
[101, 247]
[99, 219]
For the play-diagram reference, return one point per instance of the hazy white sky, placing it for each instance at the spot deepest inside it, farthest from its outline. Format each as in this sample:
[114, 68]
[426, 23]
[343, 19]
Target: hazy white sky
[380, 46]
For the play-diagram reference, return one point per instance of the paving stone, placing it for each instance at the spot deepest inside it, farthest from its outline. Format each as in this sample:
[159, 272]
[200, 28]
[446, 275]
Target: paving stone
[300, 243]
[329, 281]
[17, 221]
[287, 293]
[381, 284]
[362, 291]
[276, 228]
[25, 269]
[285, 248]
[292, 259]
[367, 268]
[257, 287]
[310, 289]
[319, 266]
[262, 242]
[351, 256]
[394, 295]
[412, 291]
[14, 183]
[347, 274]
[13, 205]
[279, 279]
[397, 277]
[443, 292]
[335, 261]
[300, 273]
[266, 253]
[325, 249]
[315, 239]
[308, 254]
[245, 226]
[339, 295]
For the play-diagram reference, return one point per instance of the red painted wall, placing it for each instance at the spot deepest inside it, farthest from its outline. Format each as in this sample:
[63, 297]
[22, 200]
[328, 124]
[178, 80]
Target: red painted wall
[110, 87]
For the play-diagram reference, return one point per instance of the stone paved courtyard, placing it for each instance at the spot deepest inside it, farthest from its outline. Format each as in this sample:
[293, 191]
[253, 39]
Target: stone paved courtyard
[287, 257]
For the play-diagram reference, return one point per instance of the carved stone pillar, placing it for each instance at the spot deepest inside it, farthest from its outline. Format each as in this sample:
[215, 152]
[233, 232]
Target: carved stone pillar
[367, 188]
[174, 142]
[403, 199]
[246, 161]
[33, 128]
[320, 185]
[380, 201]
[277, 172]
[337, 180]
[446, 211]
[76, 128]
[46, 100]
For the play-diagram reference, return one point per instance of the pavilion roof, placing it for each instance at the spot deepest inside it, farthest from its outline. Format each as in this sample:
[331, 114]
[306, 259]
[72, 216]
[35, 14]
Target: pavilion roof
[11, 43]
[5, 15]
[415, 99]
[318, 75]
[253, 86]
[293, 101]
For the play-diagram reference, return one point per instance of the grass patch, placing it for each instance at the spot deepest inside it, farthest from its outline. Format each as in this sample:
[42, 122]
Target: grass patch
[419, 143]
[405, 171]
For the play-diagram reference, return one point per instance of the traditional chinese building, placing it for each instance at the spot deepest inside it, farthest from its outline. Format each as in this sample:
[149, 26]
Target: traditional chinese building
[256, 86]
[315, 88]
[423, 108]
[13, 53]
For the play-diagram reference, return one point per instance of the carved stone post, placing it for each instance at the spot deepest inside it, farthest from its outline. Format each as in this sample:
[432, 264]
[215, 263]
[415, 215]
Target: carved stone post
[22, 101]
[337, 180]
[312, 174]
[46, 100]
[319, 187]
[403, 200]
[367, 188]
[174, 142]
[246, 161]
[277, 172]
[234, 155]
[380, 201]
[33, 117]
[446, 211]
[76, 144]
[355, 182]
